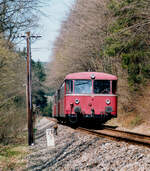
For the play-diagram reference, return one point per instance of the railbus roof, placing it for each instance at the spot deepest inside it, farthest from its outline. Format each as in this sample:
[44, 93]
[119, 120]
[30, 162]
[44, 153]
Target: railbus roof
[87, 75]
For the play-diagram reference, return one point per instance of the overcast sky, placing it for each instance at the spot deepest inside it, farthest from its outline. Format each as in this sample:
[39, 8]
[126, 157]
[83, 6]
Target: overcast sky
[56, 11]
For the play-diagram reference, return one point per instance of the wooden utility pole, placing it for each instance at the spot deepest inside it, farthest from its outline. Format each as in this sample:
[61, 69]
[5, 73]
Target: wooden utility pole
[29, 93]
[29, 89]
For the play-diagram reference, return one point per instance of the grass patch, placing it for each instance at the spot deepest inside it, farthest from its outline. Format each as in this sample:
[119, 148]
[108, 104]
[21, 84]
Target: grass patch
[8, 152]
[12, 157]
[136, 121]
[129, 120]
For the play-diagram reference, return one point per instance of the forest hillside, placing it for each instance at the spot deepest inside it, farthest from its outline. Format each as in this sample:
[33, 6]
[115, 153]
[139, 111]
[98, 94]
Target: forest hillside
[109, 36]
[16, 18]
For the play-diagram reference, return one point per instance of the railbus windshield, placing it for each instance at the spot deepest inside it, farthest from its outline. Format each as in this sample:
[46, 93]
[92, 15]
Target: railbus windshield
[85, 86]
[82, 86]
[101, 86]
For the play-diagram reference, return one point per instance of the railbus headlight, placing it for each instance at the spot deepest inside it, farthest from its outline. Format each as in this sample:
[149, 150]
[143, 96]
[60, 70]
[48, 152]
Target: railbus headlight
[77, 101]
[93, 76]
[107, 101]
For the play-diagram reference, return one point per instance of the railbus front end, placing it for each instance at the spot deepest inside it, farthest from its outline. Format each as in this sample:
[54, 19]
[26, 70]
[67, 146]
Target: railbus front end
[87, 96]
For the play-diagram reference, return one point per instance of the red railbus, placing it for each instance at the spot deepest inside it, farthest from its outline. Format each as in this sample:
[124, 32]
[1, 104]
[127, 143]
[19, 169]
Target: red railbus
[86, 95]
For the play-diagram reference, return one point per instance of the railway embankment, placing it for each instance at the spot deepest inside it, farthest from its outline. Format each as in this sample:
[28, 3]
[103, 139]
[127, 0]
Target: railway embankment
[76, 150]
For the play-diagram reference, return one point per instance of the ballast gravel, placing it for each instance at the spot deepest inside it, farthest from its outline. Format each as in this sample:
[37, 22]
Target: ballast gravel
[76, 151]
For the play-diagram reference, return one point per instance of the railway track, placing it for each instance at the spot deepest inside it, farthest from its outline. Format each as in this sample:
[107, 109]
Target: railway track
[111, 133]
[118, 135]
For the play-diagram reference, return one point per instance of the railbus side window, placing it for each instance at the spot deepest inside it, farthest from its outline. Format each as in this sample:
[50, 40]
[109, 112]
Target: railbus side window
[102, 86]
[114, 86]
[58, 95]
[69, 86]
[62, 91]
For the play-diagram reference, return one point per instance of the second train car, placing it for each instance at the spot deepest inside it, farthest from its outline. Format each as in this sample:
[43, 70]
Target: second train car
[86, 95]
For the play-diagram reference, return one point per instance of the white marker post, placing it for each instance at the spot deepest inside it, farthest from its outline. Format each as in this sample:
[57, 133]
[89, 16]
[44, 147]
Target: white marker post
[50, 138]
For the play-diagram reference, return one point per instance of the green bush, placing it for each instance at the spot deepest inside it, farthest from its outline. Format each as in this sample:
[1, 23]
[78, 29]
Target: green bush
[48, 110]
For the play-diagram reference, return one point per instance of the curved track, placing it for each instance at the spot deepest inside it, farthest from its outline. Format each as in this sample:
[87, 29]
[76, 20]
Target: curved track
[112, 133]
[119, 135]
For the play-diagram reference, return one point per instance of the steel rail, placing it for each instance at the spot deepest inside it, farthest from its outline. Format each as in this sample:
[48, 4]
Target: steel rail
[118, 135]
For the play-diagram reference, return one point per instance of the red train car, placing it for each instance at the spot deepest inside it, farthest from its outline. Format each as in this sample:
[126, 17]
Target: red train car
[86, 95]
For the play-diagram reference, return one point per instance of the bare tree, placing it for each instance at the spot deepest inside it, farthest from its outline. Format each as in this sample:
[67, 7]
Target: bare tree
[79, 46]
[17, 16]
[12, 91]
